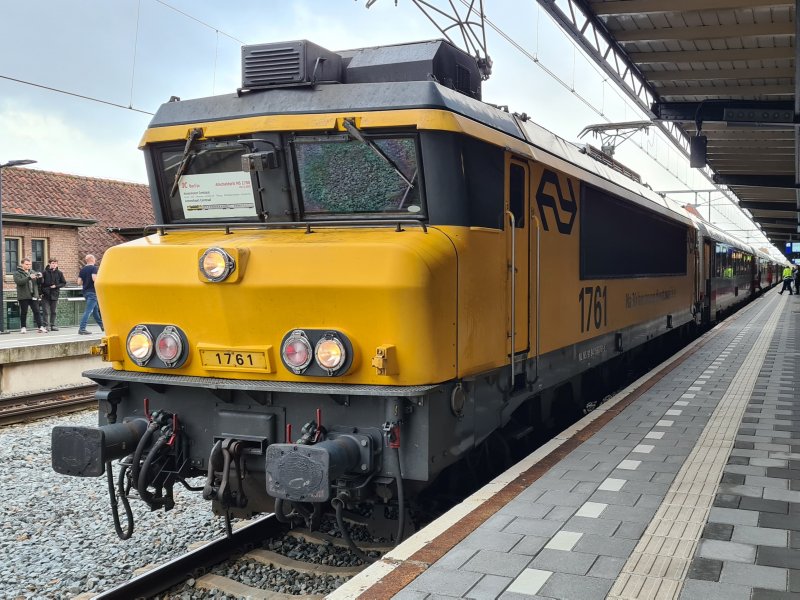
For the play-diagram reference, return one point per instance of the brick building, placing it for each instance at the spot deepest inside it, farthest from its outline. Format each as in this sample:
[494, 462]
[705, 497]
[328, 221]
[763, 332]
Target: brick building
[48, 214]
[66, 216]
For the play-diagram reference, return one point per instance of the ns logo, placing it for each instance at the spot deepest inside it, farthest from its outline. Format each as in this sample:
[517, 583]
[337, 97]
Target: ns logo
[562, 202]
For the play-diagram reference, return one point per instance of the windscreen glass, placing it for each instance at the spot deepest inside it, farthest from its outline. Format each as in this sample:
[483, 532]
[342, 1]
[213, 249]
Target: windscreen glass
[210, 183]
[339, 175]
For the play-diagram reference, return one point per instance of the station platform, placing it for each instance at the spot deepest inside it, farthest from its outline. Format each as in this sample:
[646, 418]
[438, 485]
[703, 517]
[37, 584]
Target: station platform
[684, 485]
[33, 362]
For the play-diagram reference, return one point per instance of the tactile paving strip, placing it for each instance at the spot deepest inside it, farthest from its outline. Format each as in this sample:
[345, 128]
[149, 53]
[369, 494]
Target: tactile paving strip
[660, 560]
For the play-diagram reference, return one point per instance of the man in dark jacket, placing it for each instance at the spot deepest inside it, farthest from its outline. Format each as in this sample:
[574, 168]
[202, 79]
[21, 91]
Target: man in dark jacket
[28, 293]
[52, 282]
[87, 277]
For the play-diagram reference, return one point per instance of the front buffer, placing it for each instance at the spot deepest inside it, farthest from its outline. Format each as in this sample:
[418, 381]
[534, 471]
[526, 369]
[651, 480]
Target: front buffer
[301, 473]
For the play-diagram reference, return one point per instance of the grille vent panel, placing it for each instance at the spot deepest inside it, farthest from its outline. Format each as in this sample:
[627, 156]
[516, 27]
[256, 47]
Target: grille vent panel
[272, 66]
[288, 64]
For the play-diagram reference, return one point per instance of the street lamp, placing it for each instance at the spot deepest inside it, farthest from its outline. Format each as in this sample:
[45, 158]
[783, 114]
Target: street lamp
[11, 163]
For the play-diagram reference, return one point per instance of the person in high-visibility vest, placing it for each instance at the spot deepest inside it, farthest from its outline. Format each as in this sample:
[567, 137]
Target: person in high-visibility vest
[787, 280]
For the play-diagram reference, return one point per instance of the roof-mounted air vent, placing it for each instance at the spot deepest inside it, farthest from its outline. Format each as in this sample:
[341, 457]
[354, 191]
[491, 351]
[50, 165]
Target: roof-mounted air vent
[288, 64]
[436, 60]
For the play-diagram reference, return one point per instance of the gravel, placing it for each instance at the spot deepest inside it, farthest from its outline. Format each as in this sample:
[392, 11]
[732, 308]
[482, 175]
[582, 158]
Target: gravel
[262, 576]
[57, 536]
[320, 554]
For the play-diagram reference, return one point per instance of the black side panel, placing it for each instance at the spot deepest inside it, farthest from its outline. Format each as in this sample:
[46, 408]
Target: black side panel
[484, 167]
[463, 179]
[611, 227]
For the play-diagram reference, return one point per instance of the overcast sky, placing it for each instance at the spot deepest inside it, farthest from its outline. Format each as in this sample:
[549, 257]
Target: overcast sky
[138, 53]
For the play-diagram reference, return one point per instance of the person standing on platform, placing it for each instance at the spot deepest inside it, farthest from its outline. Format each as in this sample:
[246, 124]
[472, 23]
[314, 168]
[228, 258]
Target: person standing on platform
[787, 280]
[52, 282]
[87, 277]
[28, 292]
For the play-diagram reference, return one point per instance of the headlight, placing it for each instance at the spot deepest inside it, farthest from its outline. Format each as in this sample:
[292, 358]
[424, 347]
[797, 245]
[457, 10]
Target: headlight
[169, 346]
[216, 264]
[296, 352]
[330, 353]
[140, 345]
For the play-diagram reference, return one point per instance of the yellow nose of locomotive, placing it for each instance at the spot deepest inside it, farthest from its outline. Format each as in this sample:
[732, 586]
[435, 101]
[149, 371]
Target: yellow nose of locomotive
[373, 306]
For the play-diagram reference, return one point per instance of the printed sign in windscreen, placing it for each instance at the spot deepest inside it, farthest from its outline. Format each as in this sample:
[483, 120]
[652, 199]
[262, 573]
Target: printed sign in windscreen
[217, 196]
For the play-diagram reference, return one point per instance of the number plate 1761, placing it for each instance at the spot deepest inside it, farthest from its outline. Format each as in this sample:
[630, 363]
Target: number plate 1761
[234, 359]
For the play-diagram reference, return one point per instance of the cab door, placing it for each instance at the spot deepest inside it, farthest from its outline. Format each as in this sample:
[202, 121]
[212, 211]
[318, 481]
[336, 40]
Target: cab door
[517, 227]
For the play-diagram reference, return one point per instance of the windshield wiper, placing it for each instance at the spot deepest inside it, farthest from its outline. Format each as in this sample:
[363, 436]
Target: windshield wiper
[355, 132]
[187, 158]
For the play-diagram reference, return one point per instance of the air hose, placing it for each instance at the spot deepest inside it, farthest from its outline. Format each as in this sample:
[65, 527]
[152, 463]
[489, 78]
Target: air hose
[401, 503]
[338, 504]
[141, 486]
[137, 455]
[279, 514]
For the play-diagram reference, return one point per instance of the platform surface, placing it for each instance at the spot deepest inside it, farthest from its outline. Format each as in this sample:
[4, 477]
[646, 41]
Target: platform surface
[688, 487]
[15, 339]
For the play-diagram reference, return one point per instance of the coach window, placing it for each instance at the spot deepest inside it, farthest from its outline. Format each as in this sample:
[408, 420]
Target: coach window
[722, 260]
[38, 253]
[12, 245]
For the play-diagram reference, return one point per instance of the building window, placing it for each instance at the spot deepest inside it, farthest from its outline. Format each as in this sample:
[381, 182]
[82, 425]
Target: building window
[38, 254]
[12, 254]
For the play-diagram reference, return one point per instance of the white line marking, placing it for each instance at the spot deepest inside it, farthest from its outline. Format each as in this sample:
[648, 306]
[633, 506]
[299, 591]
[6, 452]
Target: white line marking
[529, 582]
[629, 465]
[563, 540]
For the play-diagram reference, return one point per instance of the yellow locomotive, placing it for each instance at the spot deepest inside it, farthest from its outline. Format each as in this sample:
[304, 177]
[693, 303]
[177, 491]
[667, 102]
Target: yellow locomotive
[361, 272]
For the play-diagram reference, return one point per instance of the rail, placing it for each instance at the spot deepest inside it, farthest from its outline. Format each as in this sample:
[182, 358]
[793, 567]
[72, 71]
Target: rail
[194, 563]
[23, 408]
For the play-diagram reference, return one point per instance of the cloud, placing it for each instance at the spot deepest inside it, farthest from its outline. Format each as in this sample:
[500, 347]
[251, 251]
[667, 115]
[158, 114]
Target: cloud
[50, 139]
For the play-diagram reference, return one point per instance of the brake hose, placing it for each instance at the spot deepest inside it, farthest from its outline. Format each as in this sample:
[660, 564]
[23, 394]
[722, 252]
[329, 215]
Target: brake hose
[123, 535]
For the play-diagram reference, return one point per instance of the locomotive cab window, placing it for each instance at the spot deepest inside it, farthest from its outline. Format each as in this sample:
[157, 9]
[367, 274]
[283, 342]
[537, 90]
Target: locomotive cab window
[204, 180]
[358, 174]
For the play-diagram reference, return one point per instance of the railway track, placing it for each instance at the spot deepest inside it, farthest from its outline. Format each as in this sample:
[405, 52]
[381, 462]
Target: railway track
[210, 565]
[24, 408]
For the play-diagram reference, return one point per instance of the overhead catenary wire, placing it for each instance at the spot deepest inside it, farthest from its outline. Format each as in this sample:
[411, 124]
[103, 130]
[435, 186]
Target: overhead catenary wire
[75, 95]
[188, 16]
[133, 67]
[738, 217]
[135, 47]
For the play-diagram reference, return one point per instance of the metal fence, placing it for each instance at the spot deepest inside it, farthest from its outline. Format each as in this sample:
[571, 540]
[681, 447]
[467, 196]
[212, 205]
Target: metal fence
[68, 314]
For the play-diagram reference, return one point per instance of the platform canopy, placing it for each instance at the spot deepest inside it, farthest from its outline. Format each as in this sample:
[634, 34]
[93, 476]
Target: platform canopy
[722, 69]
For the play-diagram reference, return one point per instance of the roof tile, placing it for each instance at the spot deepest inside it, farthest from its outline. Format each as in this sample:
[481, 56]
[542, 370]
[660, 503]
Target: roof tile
[110, 203]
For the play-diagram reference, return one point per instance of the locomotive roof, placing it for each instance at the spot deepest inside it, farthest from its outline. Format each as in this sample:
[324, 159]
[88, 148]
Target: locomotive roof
[386, 96]
[351, 97]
